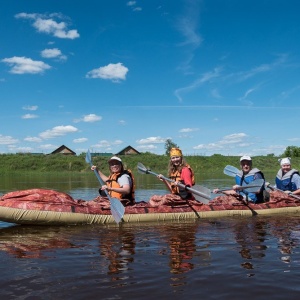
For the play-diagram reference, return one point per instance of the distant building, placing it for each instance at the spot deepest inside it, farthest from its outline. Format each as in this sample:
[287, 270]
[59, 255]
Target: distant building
[128, 151]
[63, 150]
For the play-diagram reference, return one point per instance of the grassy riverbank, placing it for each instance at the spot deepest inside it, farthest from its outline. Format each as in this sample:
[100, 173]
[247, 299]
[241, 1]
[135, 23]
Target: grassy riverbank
[157, 163]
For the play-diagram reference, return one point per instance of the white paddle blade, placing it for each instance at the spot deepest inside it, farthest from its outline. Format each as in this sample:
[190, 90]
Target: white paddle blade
[202, 189]
[141, 168]
[117, 209]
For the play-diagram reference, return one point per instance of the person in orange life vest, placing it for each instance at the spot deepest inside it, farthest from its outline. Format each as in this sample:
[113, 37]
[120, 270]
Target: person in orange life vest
[120, 182]
[180, 172]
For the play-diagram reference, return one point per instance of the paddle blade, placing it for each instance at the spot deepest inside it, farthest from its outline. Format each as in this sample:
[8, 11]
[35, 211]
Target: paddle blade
[88, 157]
[200, 193]
[202, 189]
[142, 169]
[117, 209]
[230, 171]
[201, 199]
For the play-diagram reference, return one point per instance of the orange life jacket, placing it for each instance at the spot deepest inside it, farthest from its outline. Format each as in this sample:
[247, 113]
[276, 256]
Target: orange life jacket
[176, 176]
[112, 182]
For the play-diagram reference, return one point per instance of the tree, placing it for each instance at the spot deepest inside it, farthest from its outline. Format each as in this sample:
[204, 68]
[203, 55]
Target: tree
[292, 151]
[168, 145]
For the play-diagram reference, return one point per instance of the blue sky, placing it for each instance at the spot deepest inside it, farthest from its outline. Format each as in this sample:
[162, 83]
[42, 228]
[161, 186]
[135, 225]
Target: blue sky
[214, 76]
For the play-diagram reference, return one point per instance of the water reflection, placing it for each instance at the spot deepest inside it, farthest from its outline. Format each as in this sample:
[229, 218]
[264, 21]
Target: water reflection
[135, 257]
[33, 241]
[182, 247]
[285, 234]
[251, 237]
[118, 248]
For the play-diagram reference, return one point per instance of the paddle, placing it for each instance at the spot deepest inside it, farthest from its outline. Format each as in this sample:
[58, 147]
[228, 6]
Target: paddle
[230, 171]
[252, 187]
[116, 207]
[290, 194]
[200, 193]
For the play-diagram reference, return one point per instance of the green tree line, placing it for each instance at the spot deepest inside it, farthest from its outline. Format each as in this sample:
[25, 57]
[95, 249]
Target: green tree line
[157, 163]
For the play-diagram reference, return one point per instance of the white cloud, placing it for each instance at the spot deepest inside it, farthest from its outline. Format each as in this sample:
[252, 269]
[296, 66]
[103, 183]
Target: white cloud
[58, 131]
[146, 147]
[227, 142]
[233, 138]
[29, 116]
[32, 107]
[152, 140]
[7, 140]
[89, 118]
[23, 65]
[47, 24]
[33, 139]
[122, 122]
[188, 130]
[114, 72]
[107, 144]
[210, 146]
[102, 144]
[206, 77]
[53, 53]
[280, 61]
[80, 140]
[133, 5]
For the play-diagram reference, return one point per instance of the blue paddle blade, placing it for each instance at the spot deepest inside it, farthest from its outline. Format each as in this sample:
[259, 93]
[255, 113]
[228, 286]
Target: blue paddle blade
[231, 171]
[88, 157]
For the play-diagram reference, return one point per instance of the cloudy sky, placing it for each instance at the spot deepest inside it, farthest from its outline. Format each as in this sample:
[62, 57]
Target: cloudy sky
[213, 76]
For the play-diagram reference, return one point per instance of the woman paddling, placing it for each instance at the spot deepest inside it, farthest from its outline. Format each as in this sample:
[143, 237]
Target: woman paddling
[120, 182]
[180, 172]
[287, 179]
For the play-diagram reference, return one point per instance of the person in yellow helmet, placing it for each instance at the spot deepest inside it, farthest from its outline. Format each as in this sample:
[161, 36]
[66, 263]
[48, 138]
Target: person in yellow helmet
[180, 172]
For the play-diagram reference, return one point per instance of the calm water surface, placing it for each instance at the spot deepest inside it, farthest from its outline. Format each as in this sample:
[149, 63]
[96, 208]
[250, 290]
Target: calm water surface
[228, 258]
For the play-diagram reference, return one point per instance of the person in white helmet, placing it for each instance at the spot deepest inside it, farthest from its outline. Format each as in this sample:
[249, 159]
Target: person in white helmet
[287, 179]
[120, 182]
[246, 175]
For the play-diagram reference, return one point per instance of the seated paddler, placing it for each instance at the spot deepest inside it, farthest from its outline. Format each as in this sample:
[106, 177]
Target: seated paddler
[179, 172]
[244, 176]
[120, 182]
[287, 178]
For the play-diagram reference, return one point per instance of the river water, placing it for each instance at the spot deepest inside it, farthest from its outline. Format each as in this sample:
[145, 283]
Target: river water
[229, 258]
